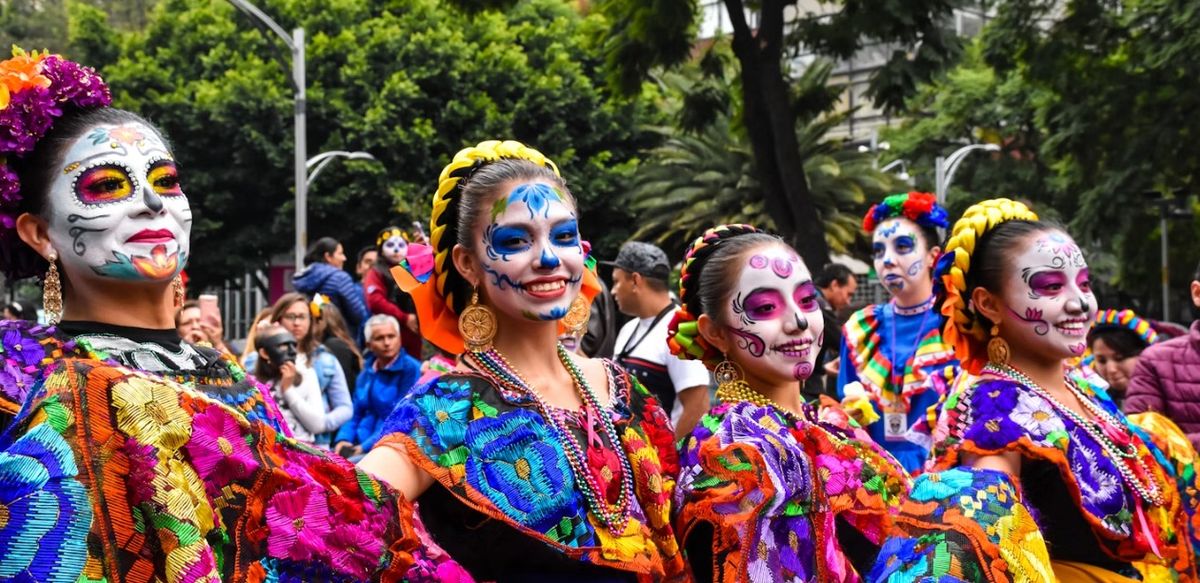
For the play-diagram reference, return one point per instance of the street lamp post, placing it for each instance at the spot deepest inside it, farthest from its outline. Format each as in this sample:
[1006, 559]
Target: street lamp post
[1178, 206]
[945, 167]
[318, 163]
[903, 164]
[294, 42]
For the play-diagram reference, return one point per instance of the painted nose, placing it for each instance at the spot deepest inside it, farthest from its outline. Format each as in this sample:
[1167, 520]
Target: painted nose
[548, 260]
[152, 200]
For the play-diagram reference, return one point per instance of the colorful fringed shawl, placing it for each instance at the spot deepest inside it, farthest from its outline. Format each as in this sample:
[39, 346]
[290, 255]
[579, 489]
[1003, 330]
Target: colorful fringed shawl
[494, 455]
[872, 339]
[983, 507]
[772, 487]
[111, 474]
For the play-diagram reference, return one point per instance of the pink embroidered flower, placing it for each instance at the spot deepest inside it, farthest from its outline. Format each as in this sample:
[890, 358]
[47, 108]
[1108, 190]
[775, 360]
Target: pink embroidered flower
[839, 474]
[298, 521]
[218, 449]
[355, 550]
[142, 461]
[203, 570]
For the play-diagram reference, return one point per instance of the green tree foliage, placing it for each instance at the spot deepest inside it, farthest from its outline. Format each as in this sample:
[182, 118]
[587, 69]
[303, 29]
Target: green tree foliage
[410, 81]
[697, 179]
[1094, 104]
[764, 44]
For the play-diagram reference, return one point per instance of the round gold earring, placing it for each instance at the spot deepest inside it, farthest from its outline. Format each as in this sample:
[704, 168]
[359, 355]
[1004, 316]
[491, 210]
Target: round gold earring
[578, 315]
[997, 348]
[727, 373]
[477, 325]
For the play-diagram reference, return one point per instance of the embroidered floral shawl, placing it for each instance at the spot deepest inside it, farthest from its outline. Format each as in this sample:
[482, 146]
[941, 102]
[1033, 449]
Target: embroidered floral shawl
[771, 487]
[996, 416]
[494, 453]
[108, 473]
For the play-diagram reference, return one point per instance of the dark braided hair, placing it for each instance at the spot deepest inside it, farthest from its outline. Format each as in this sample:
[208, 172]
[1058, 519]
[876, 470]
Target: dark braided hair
[703, 287]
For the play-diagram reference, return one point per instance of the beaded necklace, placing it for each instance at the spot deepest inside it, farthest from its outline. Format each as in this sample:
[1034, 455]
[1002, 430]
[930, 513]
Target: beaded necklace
[613, 516]
[1117, 440]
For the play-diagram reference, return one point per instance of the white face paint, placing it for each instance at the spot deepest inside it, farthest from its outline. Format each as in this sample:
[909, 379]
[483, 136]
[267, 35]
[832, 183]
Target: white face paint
[900, 255]
[394, 249]
[116, 208]
[1049, 306]
[531, 253]
[776, 322]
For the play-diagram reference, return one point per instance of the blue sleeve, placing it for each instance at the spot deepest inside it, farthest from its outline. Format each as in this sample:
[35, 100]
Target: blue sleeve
[846, 371]
[351, 294]
[408, 380]
[341, 408]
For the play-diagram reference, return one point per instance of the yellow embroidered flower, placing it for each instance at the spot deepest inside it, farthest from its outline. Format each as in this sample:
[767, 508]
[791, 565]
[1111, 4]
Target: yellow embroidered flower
[629, 546]
[148, 411]
[1022, 546]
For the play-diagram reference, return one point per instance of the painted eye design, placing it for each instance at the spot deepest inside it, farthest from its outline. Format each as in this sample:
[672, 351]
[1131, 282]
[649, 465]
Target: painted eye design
[103, 183]
[164, 178]
[763, 304]
[806, 297]
[905, 245]
[877, 250]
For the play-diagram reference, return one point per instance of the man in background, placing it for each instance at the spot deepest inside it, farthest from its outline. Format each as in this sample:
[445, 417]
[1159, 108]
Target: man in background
[835, 289]
[640, 274]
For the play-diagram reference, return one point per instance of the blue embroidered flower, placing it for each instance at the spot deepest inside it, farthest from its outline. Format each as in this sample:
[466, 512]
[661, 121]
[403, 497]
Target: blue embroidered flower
[519, 465]
[434, 415]
[22, 348]
[44, 510]
[941, 485]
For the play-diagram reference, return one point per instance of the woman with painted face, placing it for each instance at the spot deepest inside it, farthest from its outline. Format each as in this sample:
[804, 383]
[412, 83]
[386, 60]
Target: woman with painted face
[530, 463]
[127, 455]
[895, 350]
[771, 488]
[1025, 438]
[384, 296]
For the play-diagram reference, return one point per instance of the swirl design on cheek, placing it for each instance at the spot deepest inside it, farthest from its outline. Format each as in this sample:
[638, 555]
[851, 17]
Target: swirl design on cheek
[916, 267]
[749, 341]
[1033, 316]
[802, 370]
[77, 231]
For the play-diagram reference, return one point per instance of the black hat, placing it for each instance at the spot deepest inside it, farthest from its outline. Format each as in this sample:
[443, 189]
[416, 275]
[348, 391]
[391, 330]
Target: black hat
[643, 258]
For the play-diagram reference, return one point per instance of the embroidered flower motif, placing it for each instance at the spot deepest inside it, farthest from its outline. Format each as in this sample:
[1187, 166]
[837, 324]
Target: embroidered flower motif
[219, 449]
[149, 411]
[354, 549]
[443, 417]
[15, 382]
[1036, 416]
[23, 349]
[298, 521]
[1022, 546]
[839, 474]
[203, 569]
[142, 461]
[522, 469]
[44, 511]
[342, 488]
[940, 485]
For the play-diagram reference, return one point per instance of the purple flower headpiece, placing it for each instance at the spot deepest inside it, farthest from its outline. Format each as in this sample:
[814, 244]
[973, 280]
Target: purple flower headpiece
[35, 90]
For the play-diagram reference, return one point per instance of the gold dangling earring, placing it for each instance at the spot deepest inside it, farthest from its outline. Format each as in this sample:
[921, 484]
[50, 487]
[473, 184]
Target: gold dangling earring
[477, 325]
[177, 285]
[731, 388]
[577, 317]
[52, 291]
[997, 348]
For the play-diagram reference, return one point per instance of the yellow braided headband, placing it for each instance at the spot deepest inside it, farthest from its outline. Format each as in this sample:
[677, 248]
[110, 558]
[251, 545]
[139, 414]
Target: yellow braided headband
[962, 329]
[450, 184]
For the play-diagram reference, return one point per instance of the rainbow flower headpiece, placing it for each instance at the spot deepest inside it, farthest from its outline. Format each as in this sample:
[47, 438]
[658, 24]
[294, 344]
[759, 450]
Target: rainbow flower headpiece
[317, 305]
[1127, 319]
[35, 89]
[919, 207]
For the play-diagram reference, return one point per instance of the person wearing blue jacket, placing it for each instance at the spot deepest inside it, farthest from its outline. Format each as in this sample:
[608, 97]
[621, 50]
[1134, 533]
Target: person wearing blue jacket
[323, 274]
[388, 373]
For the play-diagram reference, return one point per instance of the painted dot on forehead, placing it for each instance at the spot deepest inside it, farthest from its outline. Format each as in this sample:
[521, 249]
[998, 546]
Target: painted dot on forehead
[782, 267]
[759, 262]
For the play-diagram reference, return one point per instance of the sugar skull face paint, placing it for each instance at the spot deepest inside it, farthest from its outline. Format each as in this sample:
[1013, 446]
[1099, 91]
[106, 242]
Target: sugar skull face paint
[774, 316]
[117, 209]
[1049, 305]
[394, 249]
[900, 254]
[532, 256]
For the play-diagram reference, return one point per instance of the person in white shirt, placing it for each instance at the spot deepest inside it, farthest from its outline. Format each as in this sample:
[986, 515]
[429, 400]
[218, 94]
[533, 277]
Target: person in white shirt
[640, 289]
